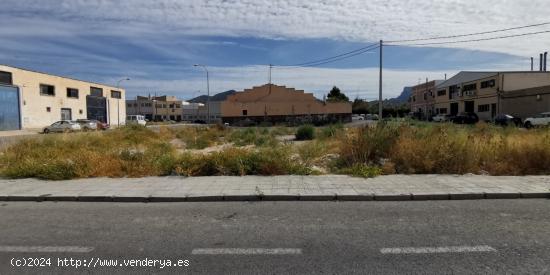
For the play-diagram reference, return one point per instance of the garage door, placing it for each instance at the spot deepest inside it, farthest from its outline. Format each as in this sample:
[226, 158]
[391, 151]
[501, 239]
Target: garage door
[10, 118]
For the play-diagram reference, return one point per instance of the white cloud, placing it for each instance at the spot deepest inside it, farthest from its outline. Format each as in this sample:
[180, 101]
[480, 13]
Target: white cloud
[355, 20]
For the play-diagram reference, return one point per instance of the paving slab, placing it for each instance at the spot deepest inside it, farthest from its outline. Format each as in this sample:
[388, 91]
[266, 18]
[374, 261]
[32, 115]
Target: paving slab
[310, 188]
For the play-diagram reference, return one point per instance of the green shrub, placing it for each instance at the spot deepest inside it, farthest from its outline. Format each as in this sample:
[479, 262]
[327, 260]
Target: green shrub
[305, 132]
[362, 170]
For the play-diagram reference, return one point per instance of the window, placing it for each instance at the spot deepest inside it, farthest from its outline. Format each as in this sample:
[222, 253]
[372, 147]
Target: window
[116, 94]
[441, 92]
[453, 89]
[72, 93]
[47, 90]
[483, 108]
[80, 111]
[488, 84]
[470, 87]
[129, 105]
[48, 109]
[414, 98]
[96, 91]
[245, 112]
[6, 78]
[425, 96]
[442, 110]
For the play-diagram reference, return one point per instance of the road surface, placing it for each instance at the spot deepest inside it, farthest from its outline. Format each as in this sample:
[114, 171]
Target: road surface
[431, 237]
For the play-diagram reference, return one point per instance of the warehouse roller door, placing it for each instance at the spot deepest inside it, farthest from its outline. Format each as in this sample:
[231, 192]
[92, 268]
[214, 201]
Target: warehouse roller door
[10, 113]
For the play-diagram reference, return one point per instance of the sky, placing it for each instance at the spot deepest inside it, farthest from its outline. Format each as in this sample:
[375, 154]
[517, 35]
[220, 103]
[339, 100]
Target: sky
[156, 43]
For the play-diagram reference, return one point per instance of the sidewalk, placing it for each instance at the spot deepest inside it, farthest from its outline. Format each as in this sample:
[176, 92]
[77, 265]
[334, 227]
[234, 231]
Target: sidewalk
[290, 188]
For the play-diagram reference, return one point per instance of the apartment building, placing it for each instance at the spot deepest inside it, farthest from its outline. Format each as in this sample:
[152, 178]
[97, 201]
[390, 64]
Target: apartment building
[156, 108]
[423, 99]
[33, 100]
[487, 94]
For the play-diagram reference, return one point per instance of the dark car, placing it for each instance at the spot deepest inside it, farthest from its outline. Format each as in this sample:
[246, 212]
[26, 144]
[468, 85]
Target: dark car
[465, 118]
[507, 120]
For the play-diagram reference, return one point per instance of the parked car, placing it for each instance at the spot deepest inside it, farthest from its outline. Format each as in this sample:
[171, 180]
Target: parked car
[440, 118]
[136, 119]
[357, 117]
[87, 124]
[507, 120]
[465, 118]
[102, 125]
[62, 126]
[538, 120]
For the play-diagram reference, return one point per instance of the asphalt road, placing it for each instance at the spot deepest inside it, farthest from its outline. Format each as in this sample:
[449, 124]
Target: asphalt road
[437, 237]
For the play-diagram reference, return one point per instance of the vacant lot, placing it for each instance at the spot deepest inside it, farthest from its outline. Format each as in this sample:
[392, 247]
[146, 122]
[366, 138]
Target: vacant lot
[208, 151]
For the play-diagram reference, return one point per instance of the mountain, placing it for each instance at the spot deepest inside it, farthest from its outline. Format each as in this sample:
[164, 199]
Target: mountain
[405, 94]
[402, 99]
[217, 97]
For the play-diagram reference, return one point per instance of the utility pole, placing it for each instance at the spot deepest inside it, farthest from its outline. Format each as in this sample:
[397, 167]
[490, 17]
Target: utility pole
[532, 61]
[118, 99]
[380, 83]
[207, 90]
[269, 85]
[270, 67]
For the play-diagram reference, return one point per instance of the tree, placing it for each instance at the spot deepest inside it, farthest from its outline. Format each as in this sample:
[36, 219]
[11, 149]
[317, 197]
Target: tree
[335, 95]
[360, 106]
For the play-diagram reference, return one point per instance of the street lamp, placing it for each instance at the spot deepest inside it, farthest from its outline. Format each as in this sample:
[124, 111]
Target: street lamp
[118, 99]
[207, 89]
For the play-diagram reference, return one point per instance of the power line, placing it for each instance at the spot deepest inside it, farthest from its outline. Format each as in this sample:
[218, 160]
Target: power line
[329, 58]
[470, 34]
[470, 40]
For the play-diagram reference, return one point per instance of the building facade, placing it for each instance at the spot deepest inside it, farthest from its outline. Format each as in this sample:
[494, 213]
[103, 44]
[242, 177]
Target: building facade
[490, 93]
[423, 99]
[33, 100]
[276, 104]
[156, 108]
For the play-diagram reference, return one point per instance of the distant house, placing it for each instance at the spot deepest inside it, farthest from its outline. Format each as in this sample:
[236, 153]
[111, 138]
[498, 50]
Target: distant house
[156, 108]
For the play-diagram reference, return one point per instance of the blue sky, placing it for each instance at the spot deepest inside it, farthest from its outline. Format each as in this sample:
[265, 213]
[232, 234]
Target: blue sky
[156, 43]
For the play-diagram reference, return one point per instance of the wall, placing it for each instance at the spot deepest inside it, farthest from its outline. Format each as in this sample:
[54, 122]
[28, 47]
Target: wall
[34, 113]
[526, 103]
[524, 80]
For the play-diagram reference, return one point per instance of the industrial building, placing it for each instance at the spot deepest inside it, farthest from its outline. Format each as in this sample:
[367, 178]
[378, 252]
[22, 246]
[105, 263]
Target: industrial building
[522, 94]
[33, 100]
[279, 104]
[423, 99]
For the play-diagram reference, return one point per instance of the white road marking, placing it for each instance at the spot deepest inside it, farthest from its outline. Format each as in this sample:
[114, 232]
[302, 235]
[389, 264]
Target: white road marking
[246, 251]
[46, 249]
[444, 249]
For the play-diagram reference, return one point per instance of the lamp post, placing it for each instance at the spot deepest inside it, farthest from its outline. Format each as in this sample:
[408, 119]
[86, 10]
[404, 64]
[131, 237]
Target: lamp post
[207, 89]
[118, 99]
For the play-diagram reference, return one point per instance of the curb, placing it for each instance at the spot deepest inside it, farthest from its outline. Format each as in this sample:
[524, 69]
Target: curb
[297, 197]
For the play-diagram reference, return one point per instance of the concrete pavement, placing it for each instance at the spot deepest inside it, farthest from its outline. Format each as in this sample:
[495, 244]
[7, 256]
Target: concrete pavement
[427, 237]
[254, 188]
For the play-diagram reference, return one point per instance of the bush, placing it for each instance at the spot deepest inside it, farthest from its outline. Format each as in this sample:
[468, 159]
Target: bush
[305, 132]
[331, 131]
[362, 170]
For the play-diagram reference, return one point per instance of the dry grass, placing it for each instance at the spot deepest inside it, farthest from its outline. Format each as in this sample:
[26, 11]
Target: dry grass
[392, 148]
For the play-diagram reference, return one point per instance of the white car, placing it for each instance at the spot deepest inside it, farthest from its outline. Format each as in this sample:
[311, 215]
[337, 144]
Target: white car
[62, 126]
[357, 117]
[440, 118]
[136, 119]
[538, 120]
